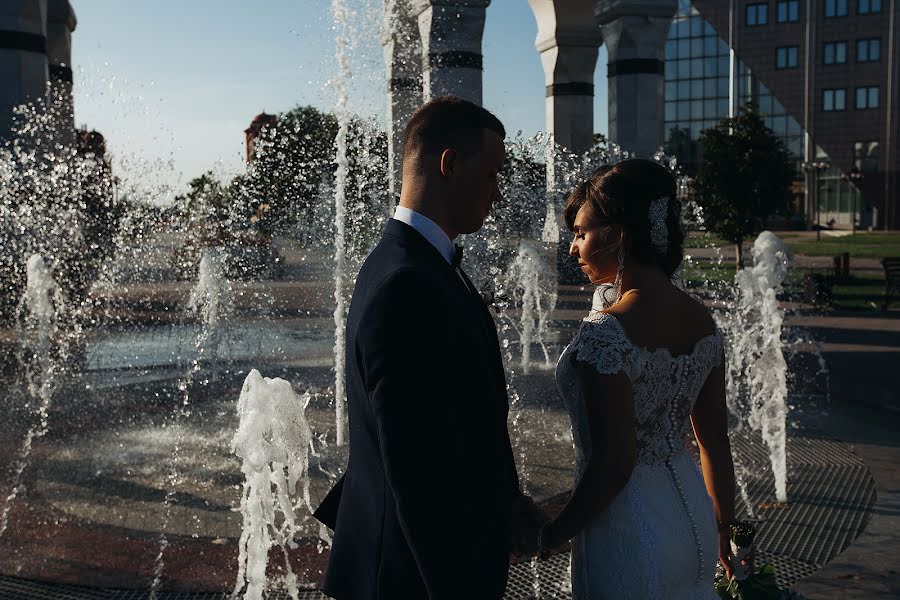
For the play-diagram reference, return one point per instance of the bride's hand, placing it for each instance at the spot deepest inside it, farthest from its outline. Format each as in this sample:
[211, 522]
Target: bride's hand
[725, 555]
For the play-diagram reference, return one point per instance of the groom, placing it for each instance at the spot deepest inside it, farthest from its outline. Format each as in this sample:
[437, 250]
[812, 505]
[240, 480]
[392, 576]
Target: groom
[430, 498]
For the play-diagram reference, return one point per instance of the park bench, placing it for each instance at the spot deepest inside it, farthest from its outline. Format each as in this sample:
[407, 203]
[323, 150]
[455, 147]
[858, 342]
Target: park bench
[891, 278]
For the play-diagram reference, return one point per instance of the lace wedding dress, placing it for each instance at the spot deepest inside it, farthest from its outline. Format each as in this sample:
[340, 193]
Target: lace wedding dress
[658, 537]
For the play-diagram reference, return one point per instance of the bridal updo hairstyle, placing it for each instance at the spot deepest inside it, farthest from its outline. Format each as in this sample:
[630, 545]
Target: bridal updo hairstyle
[620, 195]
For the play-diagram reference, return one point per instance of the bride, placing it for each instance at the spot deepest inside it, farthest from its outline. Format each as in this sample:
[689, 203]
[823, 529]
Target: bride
[643, 521]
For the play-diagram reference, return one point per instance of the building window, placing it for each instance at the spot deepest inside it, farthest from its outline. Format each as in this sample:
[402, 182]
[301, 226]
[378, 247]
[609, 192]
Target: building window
[835, 8]
[868, 50]
[835, 53]
[865, 157]
[757, 14]
[868, 7]
[786, 57]
[788, 11]
[867, 97]
[833, 100]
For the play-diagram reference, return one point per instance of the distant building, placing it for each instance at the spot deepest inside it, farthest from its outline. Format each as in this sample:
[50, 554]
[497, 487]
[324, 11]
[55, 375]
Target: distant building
[100, 182]
[257, 125]
[90, 142]
[824, 75]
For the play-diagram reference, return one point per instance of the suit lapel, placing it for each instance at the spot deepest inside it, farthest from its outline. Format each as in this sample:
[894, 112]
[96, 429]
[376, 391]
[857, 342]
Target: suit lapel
[489, 333]
[484, 321]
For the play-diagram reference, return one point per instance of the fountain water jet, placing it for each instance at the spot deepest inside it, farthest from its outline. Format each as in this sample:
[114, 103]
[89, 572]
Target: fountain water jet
[212, 299]
[757, 374]
[340, 14]
[534, 287]
[273, 441]
[38, 312]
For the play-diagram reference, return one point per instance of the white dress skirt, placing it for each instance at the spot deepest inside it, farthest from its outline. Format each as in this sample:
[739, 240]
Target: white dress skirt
[658, 538]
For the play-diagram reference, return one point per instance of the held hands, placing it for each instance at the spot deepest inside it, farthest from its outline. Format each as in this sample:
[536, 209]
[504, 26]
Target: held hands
[727, 557]
[526, 519]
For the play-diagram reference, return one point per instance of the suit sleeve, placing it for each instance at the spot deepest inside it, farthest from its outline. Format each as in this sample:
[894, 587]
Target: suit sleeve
[406, 342]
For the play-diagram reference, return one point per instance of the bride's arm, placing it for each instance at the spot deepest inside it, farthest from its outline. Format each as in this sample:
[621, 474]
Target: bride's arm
[710, 421]
[609, 406]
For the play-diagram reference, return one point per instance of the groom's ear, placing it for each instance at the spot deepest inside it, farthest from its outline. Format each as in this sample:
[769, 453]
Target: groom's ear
[448, 161]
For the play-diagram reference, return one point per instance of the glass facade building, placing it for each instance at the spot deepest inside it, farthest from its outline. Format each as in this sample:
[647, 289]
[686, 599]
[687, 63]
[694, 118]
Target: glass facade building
[697, 84]
[701, 89]
[706, 82]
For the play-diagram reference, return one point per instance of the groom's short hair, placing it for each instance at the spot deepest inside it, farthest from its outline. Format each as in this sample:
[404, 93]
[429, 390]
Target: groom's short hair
[448, 122]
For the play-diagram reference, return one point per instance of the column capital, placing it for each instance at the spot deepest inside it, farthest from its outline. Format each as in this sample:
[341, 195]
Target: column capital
[61, 12]
[398, 19]
[588, 37]
[25, 16]
[568, 23]
[420, 6]
[451, 35]
[634, 37]
[609, 10]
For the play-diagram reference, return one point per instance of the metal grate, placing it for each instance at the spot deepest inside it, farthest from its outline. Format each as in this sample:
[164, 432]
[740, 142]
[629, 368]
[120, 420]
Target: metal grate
[787, 570]
[14, 588]
[540, 579]
[831, 497]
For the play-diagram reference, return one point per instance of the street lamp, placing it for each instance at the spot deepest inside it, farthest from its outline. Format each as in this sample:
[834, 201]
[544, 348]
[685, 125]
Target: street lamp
[854, 177]
[814, 167]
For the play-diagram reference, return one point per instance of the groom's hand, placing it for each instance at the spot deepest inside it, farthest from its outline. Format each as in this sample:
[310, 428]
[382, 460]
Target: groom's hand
[526, 518]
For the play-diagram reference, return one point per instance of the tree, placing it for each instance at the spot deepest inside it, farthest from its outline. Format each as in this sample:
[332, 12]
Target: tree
[293, 159]
[743, 179]
[56, 200]
[294, 170]
[686, 150]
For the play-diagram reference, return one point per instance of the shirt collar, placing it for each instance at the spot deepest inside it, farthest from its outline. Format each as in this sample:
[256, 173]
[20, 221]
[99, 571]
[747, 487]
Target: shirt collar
[430, 230]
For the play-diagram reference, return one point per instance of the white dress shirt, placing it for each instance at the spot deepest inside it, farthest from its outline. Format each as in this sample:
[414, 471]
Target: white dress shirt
[430, 230]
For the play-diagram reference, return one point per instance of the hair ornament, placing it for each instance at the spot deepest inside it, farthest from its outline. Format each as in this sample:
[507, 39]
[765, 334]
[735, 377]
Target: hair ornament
[659, 232]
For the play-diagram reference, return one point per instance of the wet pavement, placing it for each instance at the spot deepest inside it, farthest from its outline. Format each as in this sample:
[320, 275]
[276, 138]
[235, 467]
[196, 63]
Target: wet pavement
[91, 509]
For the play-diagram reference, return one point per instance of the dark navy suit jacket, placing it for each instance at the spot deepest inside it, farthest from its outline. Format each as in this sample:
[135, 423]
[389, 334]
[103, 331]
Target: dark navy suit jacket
[422, 510]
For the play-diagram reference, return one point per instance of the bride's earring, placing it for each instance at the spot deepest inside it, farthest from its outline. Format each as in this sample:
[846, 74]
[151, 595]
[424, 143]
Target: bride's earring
[617, 286]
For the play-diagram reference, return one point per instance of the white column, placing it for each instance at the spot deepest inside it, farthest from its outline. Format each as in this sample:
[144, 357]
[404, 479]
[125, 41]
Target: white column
[451, 32]
[569, 42]
[61, 22]
[403, 59]
[635, 33]
[23, 56]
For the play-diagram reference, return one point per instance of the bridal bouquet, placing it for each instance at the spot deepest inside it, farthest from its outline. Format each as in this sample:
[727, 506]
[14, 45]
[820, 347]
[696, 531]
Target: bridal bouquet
[747, 584]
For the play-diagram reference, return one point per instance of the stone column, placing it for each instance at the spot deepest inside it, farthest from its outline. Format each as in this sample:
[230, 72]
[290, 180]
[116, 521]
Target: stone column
[635, 33]
[23, 57]
[569, 43]
[61, 23]
[451, 32]
[403, 59]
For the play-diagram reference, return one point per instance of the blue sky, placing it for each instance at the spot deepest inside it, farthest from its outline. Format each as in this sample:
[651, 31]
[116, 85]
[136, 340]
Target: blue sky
[173, 84]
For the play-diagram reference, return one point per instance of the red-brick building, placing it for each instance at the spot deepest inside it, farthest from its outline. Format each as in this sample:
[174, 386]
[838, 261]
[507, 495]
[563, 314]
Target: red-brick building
[259, 122]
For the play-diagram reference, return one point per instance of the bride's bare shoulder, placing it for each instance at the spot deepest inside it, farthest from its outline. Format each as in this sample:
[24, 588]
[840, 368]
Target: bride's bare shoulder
[675, 321]
[698, 313]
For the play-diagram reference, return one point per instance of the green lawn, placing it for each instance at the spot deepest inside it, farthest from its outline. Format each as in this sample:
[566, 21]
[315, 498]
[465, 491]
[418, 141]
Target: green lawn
[702, 239]
[864, 290]
[708, 275]
[861, 245]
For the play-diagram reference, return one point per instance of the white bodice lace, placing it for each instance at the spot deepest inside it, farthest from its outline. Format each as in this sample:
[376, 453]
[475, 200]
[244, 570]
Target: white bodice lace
[665, 389]
[665, 386]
